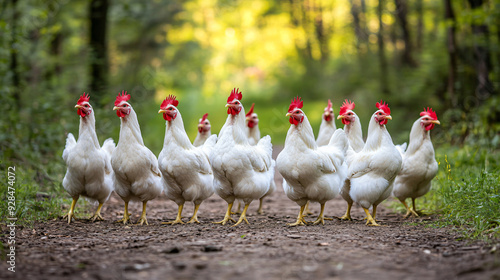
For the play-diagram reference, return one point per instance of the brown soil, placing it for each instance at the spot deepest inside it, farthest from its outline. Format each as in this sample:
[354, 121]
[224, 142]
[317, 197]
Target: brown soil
[265, 249]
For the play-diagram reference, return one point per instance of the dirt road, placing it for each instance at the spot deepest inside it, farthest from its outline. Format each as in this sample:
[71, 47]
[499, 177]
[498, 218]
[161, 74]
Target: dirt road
[265, 249]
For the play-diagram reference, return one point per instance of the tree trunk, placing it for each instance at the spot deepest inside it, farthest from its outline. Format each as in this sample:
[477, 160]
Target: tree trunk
[484, 89]
[98, 47]
[452, 51]
[356, 21]
[16, 80]
[322, 34]
[420, 25]
[381, 50]
[401, 13]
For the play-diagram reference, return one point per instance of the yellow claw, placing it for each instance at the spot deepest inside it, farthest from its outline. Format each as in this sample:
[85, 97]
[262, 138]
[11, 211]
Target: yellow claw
[227, 217]
[347, 215]
[178, 219]
[259, 211]
[143, 218]
[321, 219]
[126, 215]
[370, 221]
[300, 219]
[243, 216]
[71, 213]
[97, 215]
[194, 218]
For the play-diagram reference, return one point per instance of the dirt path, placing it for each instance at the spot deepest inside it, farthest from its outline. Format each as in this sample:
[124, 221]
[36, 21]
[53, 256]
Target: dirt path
[265, 249]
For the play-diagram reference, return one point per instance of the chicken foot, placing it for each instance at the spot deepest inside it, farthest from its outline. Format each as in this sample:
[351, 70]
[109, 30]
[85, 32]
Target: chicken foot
[321, 219]
[259, 211]
[97, 215]
[143, 219]
[347, 215]
[71, 213]
[370, 220]
[126, 215]
[194, 218]
[243, 216]
[409, 211]
[227, 217]
[300, 219]
[178, 219]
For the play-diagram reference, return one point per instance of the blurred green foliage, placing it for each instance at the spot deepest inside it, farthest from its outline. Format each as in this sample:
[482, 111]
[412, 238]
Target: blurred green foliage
[199, 50]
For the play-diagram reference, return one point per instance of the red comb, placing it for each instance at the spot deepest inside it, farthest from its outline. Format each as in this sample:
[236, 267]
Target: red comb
[235, 94]
[296, 103]
[347, 105]
[329, 105]
[384, 107]
[123, 96]
[83, 98]
[251, 110]
[204, 117]
[429, 112]
[169, 100]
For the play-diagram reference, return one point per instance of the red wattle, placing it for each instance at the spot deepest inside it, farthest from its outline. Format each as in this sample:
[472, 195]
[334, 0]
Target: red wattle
[251, 124]
[328, 118]
[232, 111]
[345, 121]
[429, 126]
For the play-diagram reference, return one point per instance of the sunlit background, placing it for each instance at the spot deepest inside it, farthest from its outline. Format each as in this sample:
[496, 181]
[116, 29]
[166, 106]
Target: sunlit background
[411, 54]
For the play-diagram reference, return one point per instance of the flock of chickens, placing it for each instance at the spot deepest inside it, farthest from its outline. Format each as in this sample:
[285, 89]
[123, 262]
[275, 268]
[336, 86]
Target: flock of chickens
[238, 166]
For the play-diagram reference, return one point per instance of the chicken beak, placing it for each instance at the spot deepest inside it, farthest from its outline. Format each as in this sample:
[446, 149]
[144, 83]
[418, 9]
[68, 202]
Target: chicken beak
[435, 122]
[228, 105]
[116, 108]
[162, 111]
[78, 106]
[288, 114]
[340, 117]
[388, 117]
[200, 125]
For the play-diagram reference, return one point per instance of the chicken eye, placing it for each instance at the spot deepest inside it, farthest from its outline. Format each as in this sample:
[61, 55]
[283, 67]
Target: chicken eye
[235, 103]
[380, 114]
[86, 105]
[124, 105]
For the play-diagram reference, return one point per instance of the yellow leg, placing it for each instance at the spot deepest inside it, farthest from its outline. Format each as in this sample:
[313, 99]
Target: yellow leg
[97, 215]
[259, 211]
[227, 217]
[415, 207]
[409, 211]
[126, 215]
[321, 218]
[143, 219]
[178, 219]
[300, 219]
[243, 216]
[238, 209]
[347, 215]
[306, 209]
[374, 212]
[71, 213]
[370, 221]
[194, 218]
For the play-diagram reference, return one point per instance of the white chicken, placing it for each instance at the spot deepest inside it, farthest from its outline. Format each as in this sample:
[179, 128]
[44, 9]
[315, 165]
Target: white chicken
[253, 131]
[137, 176]
[186, 171]
[372, 171]
[352, 125]
[241, 171]
[204, 131]
[352, 128]
[309, 172]
[89, 171]
[419, 163]
[327, 127]
[253, 134]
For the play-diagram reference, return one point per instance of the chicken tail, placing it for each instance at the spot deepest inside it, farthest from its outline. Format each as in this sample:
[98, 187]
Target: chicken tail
[70, 143]
[109, 146]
